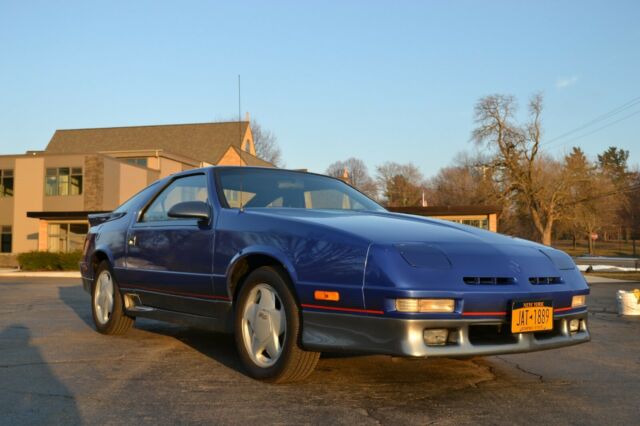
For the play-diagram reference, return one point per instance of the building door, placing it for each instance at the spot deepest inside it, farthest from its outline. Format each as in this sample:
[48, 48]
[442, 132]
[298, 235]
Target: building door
[66, 237]
[169, 261]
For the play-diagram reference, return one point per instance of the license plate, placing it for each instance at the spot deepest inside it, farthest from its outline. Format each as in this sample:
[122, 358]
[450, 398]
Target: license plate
[531, 316]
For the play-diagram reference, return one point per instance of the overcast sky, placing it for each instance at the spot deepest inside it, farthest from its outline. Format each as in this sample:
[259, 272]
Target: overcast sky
[377, 80]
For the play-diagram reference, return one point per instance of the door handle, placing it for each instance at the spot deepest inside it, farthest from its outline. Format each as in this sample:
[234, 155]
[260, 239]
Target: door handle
[133, 240]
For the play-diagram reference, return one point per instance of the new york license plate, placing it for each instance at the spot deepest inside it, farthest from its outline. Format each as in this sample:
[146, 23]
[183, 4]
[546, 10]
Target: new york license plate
[531, 316]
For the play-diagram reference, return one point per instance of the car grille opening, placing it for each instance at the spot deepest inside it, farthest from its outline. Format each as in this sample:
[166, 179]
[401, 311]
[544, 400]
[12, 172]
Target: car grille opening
[489, 280]
[491, 334]
[545, 280]
[548, 334]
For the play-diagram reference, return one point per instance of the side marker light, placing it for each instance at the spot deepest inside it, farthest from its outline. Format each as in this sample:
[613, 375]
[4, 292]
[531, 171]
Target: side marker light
[327, 296]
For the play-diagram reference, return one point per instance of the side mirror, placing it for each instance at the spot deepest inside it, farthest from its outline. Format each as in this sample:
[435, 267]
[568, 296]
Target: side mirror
[191, 210]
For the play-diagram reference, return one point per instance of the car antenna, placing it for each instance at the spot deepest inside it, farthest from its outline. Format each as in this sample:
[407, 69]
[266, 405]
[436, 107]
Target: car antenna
[240, 137]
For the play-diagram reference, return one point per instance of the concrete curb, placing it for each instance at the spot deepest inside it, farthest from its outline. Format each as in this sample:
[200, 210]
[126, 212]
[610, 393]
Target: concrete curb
[35, 274]
[594, 279]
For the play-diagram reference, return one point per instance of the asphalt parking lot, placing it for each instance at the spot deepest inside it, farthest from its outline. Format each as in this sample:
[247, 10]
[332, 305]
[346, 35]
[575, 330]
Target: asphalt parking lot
[54, 368]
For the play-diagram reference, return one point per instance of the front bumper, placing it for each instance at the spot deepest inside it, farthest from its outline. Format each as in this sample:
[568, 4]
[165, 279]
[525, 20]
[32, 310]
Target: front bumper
[323, 331]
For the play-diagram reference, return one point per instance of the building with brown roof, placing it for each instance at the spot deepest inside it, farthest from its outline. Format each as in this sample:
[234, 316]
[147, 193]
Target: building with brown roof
[202, 144]
[483, 217]
[45, 196]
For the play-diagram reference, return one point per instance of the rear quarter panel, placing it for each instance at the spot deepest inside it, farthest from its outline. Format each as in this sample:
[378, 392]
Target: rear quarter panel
[109, 239]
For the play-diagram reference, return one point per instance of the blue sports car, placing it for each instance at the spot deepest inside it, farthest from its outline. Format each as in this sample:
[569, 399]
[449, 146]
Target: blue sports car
[296, 263]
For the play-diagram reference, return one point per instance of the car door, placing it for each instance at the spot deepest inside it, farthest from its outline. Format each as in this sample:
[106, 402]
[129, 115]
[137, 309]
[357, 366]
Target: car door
[169, 261]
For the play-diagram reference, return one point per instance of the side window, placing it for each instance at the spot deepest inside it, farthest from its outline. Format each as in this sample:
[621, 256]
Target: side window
[190, 188]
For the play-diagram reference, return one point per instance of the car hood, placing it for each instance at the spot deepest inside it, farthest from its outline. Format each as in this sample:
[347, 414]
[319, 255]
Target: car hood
[470, 250]
[386, 227]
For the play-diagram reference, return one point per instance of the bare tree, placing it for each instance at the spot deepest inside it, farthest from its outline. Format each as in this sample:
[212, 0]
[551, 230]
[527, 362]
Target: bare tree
[453, 185]
[522, 174]
[467, 181]
[266, 144]
[357, 175]
[402, 184]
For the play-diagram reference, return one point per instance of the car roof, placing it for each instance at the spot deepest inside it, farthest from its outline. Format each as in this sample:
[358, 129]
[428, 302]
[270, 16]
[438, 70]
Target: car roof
[213, 168]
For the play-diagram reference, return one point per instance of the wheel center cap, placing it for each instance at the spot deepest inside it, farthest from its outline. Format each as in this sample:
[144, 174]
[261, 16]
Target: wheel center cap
[263, 326]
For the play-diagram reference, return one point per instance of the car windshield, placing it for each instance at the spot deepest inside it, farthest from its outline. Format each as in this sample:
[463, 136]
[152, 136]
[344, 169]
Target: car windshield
[264, 188]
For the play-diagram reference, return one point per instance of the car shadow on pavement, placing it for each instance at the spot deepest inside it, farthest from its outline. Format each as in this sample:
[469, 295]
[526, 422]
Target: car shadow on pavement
[30, 393]
[217, 346]
[79, 301]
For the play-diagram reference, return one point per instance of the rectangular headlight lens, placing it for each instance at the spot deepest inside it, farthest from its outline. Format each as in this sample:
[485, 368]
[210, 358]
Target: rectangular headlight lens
[425, 305]
[578, 301]
[407, 305]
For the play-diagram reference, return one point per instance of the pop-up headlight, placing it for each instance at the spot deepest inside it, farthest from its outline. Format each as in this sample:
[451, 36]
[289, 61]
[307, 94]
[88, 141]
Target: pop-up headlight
[559, 258]
[421, 255]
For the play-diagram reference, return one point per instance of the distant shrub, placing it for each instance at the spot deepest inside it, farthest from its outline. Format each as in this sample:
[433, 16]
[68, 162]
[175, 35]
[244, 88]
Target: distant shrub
[38, 261]
[70, 261]
[49, 261]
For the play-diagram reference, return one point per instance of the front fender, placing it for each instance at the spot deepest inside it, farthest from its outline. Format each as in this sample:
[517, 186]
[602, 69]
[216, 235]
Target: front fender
[316, 258]
[262, 250]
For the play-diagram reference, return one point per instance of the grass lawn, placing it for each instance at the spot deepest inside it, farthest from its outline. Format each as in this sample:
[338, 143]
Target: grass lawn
[602, 248]
[630, 276]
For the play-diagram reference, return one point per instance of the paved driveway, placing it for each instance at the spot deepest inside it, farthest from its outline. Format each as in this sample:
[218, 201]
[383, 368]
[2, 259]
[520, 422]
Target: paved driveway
[54, 368]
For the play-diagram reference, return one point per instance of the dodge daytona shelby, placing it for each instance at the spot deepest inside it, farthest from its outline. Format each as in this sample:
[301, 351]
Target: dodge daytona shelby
[296, 263]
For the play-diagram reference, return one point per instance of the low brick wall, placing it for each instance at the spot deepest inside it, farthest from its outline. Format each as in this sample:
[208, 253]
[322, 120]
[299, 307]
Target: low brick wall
[8, 260]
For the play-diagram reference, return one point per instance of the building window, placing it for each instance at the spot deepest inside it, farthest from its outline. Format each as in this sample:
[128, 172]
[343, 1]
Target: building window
[66, 237]
[63, 181]
[6, 183]
[5, 239]
[478, 223]
[247, 146]
[137, 161]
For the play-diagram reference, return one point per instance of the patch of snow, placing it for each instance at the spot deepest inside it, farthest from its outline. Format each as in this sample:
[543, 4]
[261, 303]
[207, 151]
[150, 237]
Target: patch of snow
[583, 268]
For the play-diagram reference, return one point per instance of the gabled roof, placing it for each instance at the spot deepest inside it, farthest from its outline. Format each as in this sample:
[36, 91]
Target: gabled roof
[202, 141]
[250, 159]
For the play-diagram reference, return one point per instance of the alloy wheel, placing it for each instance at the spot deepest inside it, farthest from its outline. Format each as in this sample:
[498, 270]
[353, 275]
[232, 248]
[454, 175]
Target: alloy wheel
[264, 325]
[103, 297]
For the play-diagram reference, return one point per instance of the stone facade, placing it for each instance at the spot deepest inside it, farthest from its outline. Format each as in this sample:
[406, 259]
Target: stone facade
[93, 182]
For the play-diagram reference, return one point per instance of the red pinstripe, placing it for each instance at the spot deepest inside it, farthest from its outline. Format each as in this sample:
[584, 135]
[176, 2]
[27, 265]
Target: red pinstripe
[337, 308]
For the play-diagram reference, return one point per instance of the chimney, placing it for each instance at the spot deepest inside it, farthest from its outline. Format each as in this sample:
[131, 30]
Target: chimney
[246, 116]
[345, 175]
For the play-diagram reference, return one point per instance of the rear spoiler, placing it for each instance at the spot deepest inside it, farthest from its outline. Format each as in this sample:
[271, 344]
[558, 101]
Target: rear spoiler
[98, 218]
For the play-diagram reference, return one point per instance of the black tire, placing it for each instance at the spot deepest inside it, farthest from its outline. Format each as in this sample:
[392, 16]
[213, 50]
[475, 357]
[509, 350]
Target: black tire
[294, 363]
[118, 322]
